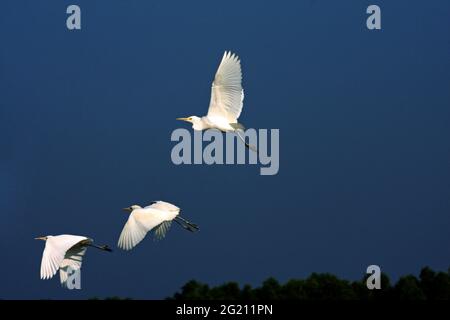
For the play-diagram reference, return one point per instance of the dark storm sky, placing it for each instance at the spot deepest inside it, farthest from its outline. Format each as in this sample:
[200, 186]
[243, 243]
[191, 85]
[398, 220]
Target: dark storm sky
[86, 118]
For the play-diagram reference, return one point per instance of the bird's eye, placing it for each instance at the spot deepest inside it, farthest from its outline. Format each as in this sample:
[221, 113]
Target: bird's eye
[190, 119]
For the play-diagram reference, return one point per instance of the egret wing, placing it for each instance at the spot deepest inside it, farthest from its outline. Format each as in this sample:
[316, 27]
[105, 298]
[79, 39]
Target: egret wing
[161, 229]
[139, 223]
[71, 262]
[162, 205]
[54, 253]
[227, 95]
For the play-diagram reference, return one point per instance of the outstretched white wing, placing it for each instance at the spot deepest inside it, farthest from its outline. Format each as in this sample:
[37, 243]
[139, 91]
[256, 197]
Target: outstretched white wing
[72, 261]
[139, 223]
[162, 205]
[227, 95]
[161, 229]
[55, 251]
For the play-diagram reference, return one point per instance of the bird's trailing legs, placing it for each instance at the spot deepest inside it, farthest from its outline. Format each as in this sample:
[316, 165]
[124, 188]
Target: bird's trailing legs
[193, 225]
[104, 248]
[186, 224]
[182, 225]
[249, 146]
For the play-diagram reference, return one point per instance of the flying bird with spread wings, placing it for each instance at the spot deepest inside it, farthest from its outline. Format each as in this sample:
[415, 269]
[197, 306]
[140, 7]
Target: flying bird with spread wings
[64, 252]
[227, 97]
[156, 217]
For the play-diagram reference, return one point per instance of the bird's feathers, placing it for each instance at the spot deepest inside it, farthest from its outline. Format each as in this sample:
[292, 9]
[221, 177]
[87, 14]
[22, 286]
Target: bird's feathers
[55, 251]
[72, 260]
[162, 205]
[161, 229]
[227, 95]
[133, 232]
[141, 221]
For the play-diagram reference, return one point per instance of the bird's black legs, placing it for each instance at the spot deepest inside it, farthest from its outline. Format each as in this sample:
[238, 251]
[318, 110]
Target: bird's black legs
[249, 146]
[182, 225]
[104, 248]
[193, 225]
[186, 224]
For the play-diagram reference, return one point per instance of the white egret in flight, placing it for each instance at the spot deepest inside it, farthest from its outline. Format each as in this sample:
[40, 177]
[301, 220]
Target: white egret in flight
[226, 102]
[63, 252]
[157, 217]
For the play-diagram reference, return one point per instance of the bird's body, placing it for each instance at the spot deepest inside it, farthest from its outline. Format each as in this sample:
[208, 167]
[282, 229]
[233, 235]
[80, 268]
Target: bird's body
[62, 253]
[227, 97]
[212, 122]
[157, 217]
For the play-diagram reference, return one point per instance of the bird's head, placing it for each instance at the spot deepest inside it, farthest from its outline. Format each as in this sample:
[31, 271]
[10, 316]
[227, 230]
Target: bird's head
[196, 121]
[132, 208]
[44, 238]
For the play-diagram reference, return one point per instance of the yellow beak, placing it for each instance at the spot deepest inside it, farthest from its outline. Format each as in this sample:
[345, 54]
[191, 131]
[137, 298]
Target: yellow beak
[127, 209]
[39, 238]
[183, 119]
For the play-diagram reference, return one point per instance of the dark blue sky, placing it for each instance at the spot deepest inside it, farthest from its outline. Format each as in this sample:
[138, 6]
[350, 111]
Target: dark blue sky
[86, 118]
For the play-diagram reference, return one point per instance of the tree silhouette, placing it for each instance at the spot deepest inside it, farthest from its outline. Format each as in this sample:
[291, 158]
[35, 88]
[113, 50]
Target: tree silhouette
[435, 286]
[324, 286]
[408, 288]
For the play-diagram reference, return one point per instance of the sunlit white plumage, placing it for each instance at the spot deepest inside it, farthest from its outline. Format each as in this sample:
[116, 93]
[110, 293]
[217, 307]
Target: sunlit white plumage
[227, 97]
[63, 252]
[156, 217]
